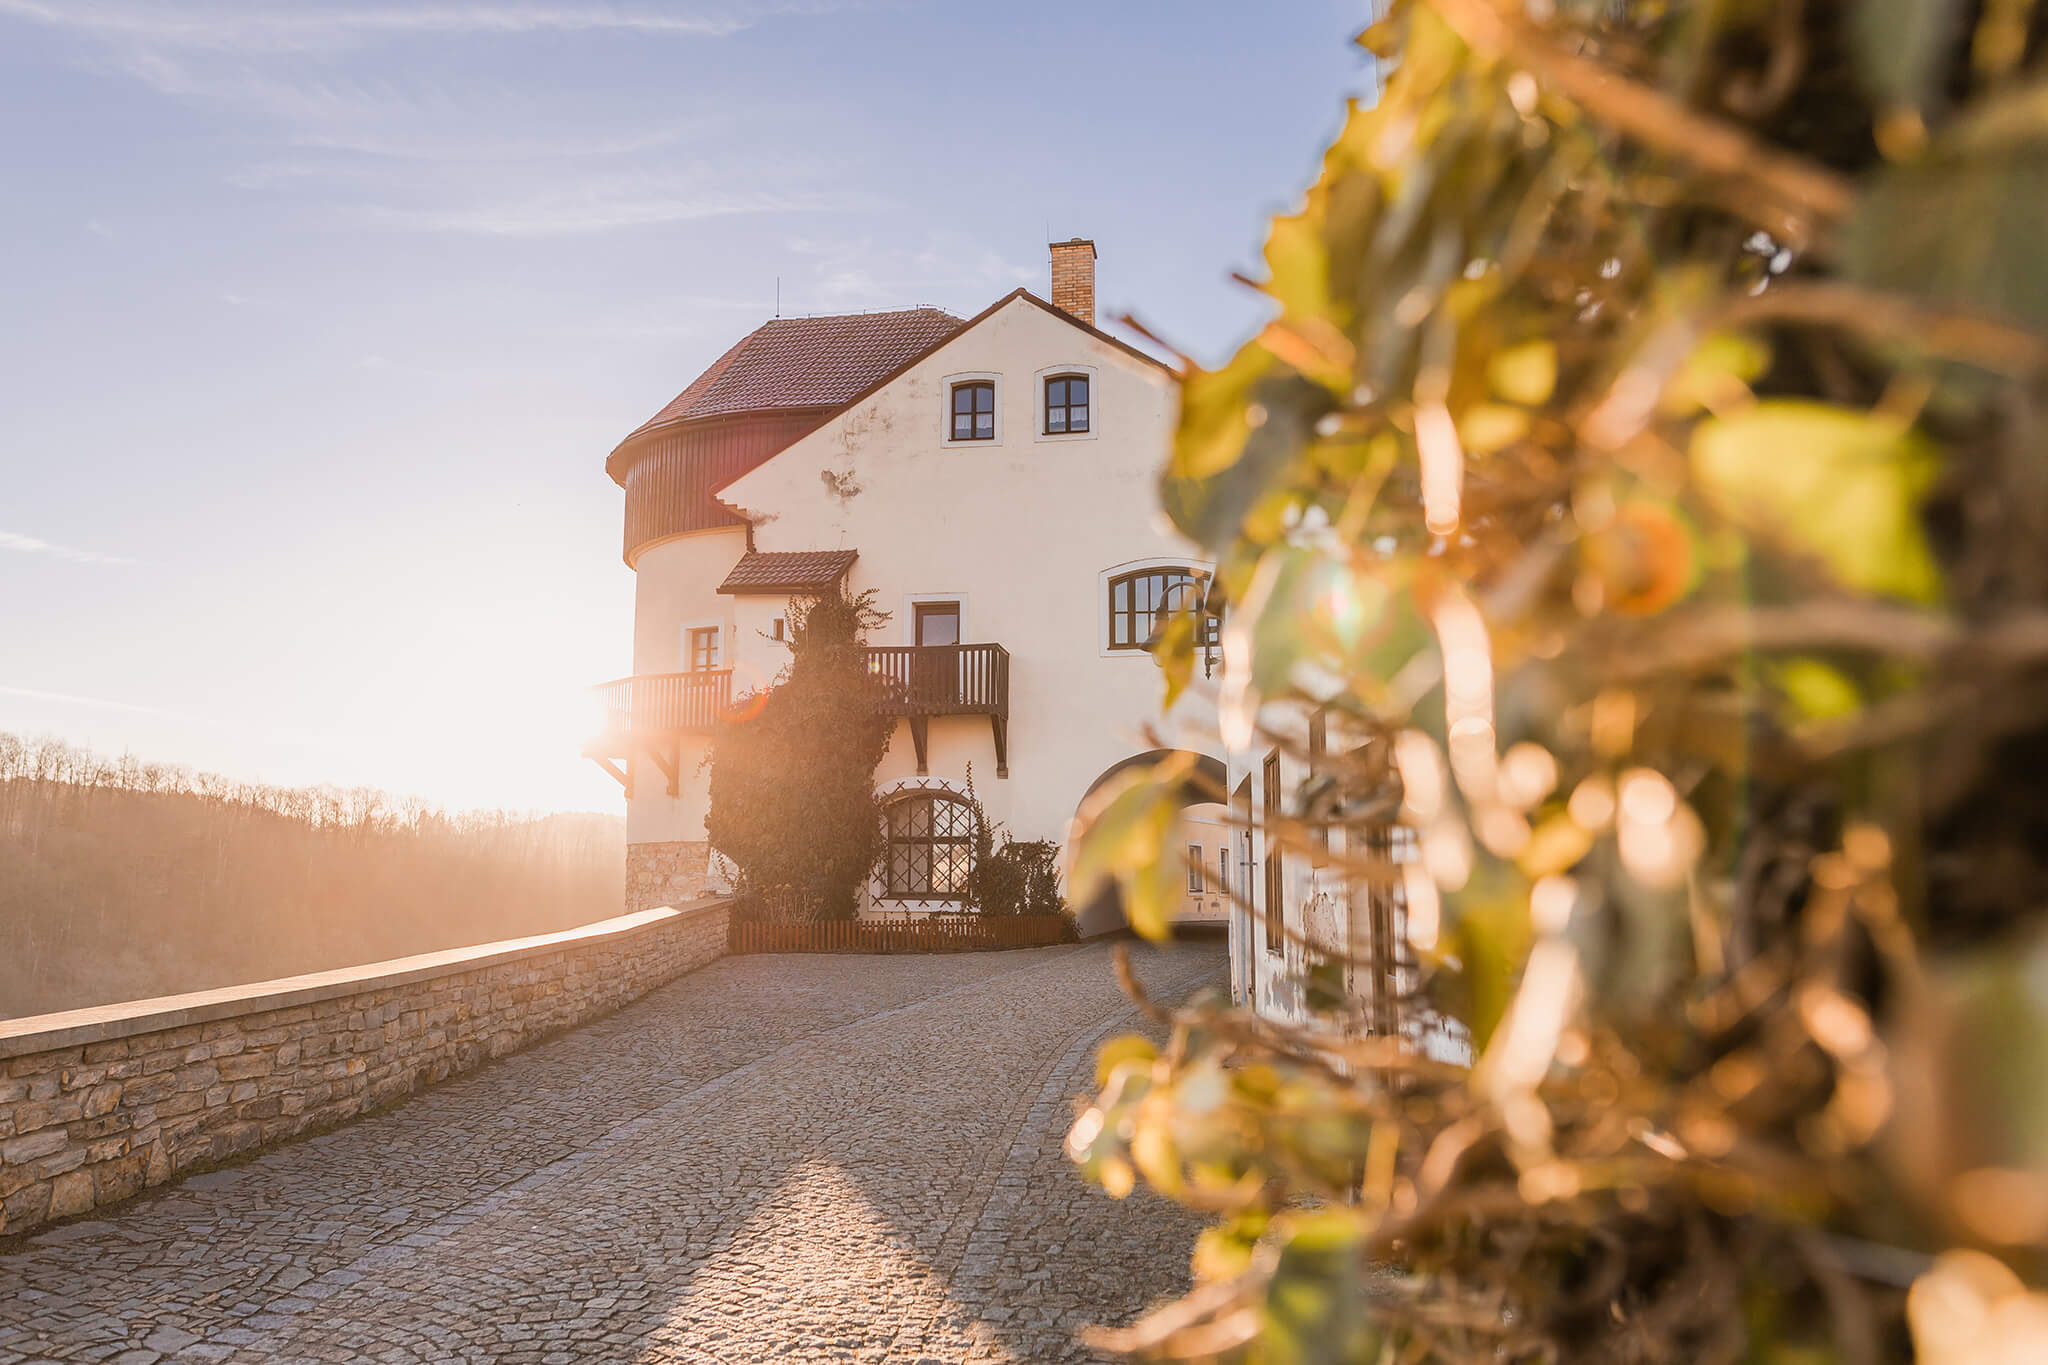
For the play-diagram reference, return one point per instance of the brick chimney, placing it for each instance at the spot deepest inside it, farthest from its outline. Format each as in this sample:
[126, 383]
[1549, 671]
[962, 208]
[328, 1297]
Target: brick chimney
[1073, 278]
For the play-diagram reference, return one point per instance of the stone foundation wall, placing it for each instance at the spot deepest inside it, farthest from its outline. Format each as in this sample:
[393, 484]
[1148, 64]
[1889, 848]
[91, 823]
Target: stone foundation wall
[669, 874]
[97, 1104]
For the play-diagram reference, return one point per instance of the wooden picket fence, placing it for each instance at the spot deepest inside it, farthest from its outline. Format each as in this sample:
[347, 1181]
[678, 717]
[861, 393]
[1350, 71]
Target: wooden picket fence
[911, 934]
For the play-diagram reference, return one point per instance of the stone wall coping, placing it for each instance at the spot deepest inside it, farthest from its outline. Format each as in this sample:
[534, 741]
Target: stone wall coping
[100, 1023]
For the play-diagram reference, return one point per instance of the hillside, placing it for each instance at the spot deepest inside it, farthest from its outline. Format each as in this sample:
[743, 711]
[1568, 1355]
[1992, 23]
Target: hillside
[120, 879]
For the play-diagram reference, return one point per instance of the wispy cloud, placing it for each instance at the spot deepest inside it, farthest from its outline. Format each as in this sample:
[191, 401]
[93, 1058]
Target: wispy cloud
[72, 699]
[592, 208]
[242, 28]
[471, 150]
[348, 123]
[29, 545]
[860, 272]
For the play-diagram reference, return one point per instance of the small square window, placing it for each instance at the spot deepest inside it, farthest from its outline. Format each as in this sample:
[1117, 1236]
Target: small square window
[1066, 404]
[974, 411]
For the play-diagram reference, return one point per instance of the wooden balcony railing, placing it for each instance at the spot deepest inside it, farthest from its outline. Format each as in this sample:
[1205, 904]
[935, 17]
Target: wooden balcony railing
[646, 716]
[943, 680]
[922, 681]
[665, 703]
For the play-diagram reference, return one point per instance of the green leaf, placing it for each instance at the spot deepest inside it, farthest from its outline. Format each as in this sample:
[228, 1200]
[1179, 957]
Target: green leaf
[1816, 690]
[1840, 485]
[1316, 1307]
[1964, 224]
[1131, 834]
[1903, 46]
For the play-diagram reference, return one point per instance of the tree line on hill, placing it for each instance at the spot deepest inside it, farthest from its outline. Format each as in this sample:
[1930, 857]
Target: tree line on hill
[122, 879]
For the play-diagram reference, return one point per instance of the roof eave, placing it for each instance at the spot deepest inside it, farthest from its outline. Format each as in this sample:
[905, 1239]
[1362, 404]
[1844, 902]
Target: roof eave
[616, 463]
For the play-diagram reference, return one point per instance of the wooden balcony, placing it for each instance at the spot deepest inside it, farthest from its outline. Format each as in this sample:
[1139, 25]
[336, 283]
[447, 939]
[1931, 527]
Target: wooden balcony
[647, 715]
[922, 681]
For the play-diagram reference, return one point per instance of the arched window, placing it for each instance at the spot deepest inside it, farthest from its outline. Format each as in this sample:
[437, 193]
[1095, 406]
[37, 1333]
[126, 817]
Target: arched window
[1140, 602]
[974, 411]
[1066, 404]
[928, 839]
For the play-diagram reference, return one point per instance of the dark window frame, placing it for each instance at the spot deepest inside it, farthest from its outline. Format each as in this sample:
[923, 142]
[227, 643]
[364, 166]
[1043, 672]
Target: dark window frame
[1163, 589]
[911, 876]
[702, 659]
[920, 610]
[973, 390]
[1276, 918]
[1066, 405]
[1318, 752]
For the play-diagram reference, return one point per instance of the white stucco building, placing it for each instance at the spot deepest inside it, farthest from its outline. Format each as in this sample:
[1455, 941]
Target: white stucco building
[994, 480]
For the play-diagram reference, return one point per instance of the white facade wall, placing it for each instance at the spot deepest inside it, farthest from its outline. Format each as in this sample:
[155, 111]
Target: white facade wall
[675, 587]
[1021, 531]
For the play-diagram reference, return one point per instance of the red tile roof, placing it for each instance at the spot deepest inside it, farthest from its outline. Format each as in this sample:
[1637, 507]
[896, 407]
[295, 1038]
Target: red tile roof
[760, 572]
[807, 363]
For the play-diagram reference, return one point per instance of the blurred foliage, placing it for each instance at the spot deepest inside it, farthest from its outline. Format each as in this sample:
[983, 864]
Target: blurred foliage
[1644, 471]
[792, 799]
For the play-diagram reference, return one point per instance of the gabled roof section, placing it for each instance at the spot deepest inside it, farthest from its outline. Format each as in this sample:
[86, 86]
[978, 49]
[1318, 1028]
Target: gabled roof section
[883, 381]
[961, 329]
[764, 572]
[806, 363]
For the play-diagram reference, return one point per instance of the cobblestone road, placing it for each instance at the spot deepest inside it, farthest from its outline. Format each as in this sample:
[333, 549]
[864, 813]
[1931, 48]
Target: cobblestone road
[775, 1158]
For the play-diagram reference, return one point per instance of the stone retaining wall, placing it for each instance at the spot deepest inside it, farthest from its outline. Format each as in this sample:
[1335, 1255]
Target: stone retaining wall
[96, 1104]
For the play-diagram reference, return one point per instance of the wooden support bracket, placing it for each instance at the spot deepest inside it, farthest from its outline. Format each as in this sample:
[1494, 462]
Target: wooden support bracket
[669, 763]
[920, 736]
[616, 771]
[1001, 726]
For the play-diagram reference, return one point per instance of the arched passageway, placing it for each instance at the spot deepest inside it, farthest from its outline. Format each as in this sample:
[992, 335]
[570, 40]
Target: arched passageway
[1202, 789]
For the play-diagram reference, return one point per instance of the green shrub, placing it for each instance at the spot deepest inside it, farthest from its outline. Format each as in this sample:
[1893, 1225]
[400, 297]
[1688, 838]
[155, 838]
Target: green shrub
[792, 799]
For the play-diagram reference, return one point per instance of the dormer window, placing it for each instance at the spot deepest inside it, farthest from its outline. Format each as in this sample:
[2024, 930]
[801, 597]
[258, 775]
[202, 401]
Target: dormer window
[974, 411]
[1066, 404]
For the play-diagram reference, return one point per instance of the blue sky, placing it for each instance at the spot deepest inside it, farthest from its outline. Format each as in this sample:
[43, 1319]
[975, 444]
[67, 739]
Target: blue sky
[322, 317]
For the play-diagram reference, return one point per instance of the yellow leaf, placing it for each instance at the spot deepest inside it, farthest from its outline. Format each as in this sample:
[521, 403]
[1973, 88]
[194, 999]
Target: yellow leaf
[1174, 651]
[1117, 1177]
[1125, 1047]
[1152, 1148]
[1525, 374]
[1122, 823]
[1720, 367]
[1220, 1255]
[1818, 691]
[1555, 845]
[1486, 427]
[1840, 485]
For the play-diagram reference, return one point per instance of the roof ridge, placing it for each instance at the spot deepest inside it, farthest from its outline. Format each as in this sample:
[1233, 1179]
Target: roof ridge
[804, 363]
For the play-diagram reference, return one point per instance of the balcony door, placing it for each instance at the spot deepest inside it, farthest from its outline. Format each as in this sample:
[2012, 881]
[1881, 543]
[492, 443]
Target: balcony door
[935, 672]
